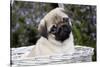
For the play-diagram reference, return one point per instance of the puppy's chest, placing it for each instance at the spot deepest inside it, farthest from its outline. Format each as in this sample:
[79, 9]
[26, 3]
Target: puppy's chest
[56, 48]
[46, 47]
[64, 47]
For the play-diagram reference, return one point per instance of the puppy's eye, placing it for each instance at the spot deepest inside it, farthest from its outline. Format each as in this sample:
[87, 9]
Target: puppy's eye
[66, 19]
[53, 29]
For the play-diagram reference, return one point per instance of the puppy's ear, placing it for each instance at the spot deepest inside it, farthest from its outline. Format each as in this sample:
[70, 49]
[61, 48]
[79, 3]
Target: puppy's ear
[42, 28]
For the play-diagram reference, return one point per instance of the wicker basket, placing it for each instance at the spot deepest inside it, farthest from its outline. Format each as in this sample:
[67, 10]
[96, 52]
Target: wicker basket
[82, 54]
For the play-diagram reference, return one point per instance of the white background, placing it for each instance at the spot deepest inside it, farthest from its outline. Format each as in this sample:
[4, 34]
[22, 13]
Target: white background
[5, 32]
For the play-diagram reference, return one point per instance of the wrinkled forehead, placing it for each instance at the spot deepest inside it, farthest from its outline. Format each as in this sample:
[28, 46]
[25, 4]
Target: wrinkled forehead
[57, 19]
[62, 14]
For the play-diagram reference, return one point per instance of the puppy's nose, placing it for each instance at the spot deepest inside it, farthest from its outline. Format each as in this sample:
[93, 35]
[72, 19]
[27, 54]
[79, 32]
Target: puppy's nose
[64, 26]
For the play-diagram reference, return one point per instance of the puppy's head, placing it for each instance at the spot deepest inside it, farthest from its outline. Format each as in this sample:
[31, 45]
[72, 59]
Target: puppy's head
[55, 24]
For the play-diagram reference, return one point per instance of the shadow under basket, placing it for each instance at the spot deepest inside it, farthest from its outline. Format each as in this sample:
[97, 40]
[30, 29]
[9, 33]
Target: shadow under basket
[82, 54]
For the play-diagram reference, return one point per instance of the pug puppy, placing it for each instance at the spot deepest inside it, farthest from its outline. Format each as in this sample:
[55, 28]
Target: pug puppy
[56, 35]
